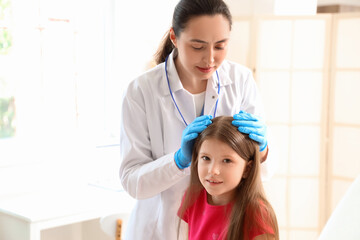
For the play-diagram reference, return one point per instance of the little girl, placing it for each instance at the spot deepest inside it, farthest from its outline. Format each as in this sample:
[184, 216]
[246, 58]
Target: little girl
[225, 198]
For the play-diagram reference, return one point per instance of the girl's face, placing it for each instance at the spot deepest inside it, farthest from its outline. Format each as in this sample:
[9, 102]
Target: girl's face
[202, 46]
[220, 170]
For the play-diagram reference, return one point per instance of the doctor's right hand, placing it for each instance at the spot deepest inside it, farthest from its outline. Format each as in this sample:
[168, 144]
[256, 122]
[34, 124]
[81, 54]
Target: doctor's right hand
[190, 133]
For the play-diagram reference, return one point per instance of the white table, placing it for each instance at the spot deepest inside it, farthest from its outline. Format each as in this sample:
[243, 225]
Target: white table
[23, 217]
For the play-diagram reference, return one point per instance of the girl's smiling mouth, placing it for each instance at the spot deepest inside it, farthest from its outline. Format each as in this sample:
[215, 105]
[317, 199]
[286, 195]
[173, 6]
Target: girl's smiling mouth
[213, 182]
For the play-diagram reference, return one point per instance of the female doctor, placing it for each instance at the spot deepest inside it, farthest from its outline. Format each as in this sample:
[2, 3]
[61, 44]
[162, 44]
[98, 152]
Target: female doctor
[165, 108]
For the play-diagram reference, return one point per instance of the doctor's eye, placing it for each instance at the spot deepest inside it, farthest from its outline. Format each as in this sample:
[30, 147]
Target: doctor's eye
[220, 46]
[197, 48]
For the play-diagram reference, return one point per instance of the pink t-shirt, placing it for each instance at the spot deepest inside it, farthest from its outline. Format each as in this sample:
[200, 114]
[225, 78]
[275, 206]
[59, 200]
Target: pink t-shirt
[210, 222]
[205, 221]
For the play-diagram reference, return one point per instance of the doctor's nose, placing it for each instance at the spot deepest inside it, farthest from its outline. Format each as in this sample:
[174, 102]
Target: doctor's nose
[214, 169]
[209, 57]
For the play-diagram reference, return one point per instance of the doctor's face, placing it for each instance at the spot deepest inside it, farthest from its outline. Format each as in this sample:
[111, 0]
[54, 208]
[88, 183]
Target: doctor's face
[202, 46]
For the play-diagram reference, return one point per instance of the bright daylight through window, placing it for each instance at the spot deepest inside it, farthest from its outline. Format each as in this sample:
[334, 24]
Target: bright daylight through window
[54, 69]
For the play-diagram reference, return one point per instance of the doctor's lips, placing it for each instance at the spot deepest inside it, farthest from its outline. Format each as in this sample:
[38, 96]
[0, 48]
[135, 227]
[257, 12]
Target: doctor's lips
[205, 70]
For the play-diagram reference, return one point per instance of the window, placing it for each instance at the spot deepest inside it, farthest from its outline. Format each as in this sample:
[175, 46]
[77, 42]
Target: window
[54, 67]
[64, 66]
[7, 103]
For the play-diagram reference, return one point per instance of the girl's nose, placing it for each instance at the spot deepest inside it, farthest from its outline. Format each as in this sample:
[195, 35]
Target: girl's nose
[214, 169]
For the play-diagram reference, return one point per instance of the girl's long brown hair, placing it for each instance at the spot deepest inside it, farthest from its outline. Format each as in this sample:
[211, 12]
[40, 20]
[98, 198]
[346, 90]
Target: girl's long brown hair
[250, 204]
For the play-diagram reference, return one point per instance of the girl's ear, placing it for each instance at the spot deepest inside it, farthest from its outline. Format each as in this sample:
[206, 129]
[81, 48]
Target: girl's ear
[248, 167]
[173, 37]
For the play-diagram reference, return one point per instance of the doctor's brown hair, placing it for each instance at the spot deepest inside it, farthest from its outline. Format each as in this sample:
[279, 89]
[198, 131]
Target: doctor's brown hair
[250, 204]
[184, 11]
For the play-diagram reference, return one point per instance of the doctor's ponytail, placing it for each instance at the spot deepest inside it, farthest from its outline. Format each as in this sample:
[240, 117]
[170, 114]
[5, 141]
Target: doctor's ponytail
[165, 48]
[184, 11]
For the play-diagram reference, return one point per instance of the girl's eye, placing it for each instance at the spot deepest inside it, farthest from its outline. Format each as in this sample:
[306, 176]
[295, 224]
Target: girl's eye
[205, 158]
[227, 161]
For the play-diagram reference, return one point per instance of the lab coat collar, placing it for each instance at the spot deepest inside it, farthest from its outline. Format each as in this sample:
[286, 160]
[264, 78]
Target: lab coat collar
[212, 93]
[224, 74]
[173, 76]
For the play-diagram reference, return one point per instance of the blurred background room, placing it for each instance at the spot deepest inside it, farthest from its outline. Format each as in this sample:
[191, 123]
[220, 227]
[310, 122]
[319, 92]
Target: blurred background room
[64, 65]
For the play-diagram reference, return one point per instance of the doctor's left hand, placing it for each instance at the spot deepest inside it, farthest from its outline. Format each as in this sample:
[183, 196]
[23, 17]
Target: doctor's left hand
[253, 125]
[191, 132]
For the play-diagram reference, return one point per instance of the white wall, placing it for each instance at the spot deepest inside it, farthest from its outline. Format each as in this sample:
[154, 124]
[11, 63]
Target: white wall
[335, 2]
[248, 8]
[272, 7]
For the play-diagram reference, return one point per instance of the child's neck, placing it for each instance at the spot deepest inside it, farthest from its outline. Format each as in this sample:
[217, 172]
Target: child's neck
[219, 200]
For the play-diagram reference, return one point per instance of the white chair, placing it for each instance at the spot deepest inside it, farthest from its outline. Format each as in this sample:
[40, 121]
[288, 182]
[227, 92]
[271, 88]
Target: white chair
[344, 222]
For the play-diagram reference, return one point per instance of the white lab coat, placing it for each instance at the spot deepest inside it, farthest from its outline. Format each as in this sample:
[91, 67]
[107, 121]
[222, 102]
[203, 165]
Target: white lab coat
[151, 133]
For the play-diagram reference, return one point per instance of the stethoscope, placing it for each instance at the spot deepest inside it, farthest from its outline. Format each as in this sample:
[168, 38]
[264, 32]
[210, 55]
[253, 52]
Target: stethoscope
[202, 112]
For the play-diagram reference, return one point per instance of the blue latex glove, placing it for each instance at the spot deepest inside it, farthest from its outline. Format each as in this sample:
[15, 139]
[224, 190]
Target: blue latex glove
[253, 125]
[190, 133]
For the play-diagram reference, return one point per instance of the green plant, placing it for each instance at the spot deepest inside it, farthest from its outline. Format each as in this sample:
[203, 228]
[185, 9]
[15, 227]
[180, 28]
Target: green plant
[5, 41]
[5, 34]
[4, 8]
[7, 117]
